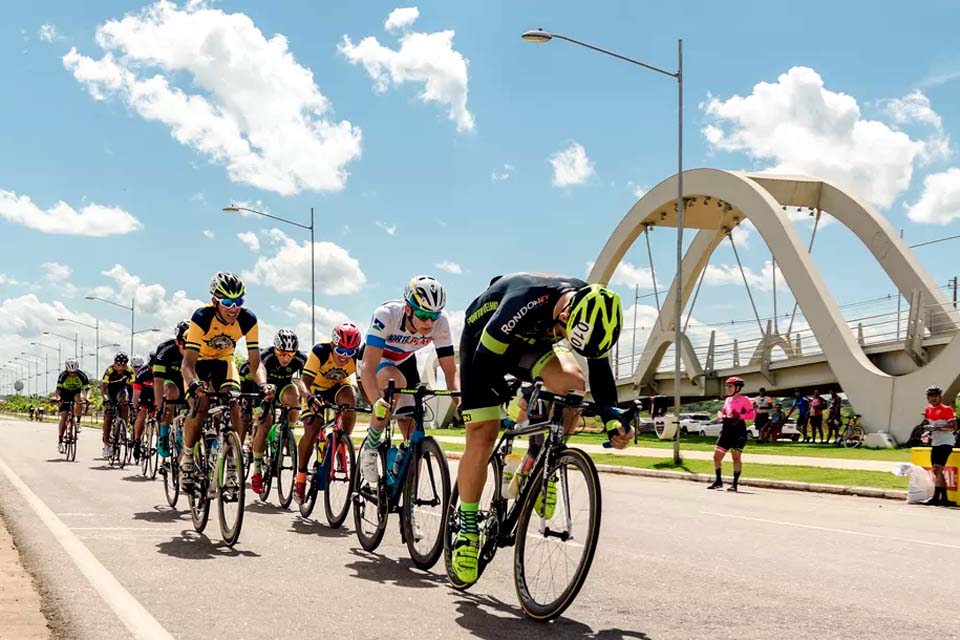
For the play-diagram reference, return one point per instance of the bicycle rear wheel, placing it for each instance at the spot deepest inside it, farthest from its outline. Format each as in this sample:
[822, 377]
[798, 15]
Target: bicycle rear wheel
[310, 494]
[425, 497]
[198, 495]
[230, 489]
[171, 478]
[153, 444]
[119, 437]
[487, 520]
[556, 543]
[71, 441]
[286, 469]
[336, 496]
[145, 443]
[371, 504]
[853, 438]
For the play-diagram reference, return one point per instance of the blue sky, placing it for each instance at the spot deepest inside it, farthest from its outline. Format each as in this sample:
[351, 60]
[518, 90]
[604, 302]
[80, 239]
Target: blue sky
[179, 110]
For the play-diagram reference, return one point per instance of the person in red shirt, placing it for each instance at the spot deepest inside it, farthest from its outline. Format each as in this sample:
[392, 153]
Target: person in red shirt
[942, 423]
[817, 404]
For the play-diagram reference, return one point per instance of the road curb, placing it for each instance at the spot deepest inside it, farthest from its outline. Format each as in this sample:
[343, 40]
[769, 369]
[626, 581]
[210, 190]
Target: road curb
[811, 487]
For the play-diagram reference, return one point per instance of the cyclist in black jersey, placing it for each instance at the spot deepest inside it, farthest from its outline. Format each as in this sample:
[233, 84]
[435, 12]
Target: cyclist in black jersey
[282, 362]
[143, 398]
[116, 388]
[165, 363]
[513, 328]
[72, 383]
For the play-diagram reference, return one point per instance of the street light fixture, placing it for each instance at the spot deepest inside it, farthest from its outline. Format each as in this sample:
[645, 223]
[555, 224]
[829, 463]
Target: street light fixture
[74, 339]
[59, 355]
[313, 272]
[541, 36]
[131, 309]
[96, 329]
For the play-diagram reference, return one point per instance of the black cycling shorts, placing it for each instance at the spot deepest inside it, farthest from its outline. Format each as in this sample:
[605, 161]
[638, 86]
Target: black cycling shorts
[65, 403]
[733, 435]
[940, 453]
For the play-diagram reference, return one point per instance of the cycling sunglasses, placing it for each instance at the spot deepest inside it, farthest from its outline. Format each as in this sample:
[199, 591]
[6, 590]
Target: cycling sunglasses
[346, 353]
[231, 302]
[426, 315]
[287, 354]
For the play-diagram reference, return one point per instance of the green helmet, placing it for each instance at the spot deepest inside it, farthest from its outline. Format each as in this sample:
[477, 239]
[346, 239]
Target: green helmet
[596, 317]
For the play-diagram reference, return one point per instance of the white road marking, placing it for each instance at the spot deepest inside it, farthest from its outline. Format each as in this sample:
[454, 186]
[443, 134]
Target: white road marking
[149, 529]
[800, 525]
[133, 615]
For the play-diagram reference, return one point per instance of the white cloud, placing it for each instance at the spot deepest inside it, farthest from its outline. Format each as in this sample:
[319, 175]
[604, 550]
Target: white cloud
[56, 272]
[391, 229]
[449, 267]
[628, 275]
[327, 319]
[571, 166]
[913, 107]
[423, 58]
[250, 239]
[504, 173]
[796, 125]
[208, 234]
[637, 190]
[10, 280]
[91, 220]
[729, 274]
[337, 272]
[401, 18]
[48, 32]
[940, 201]
[253, 108]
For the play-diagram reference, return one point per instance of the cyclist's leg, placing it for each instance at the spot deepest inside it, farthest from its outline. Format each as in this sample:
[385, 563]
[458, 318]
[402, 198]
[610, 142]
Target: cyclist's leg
[411, 378]
[171, 393]
[385, 372]
[346, 394]
[311, 425]
[561, 373]
[291, 398]
[206, 370]
[65, 407]
[108, 410]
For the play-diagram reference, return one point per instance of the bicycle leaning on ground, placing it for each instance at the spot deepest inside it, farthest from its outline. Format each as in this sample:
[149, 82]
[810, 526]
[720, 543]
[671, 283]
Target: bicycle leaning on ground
[416, 476]
[852, 435]
[554, 539]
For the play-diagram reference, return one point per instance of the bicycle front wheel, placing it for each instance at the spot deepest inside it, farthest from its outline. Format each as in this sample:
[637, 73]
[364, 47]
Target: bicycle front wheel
[71, 441]
[310, 494]
[120, 452]
[286, 469]
[854, 438]
[230, 489]
[371, 504]
[198, 495]
[425, 497]
[336, 496]
[557, 535]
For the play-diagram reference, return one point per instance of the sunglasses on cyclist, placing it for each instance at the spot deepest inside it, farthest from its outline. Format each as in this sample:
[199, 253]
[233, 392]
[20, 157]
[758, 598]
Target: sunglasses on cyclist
[426, 315]
[286, 354]
[346, 353]
[231, 302]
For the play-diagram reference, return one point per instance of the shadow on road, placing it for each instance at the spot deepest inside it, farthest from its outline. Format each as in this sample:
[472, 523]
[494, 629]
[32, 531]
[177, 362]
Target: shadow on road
[257, 506]
[479, 616]
[403, 573]
[190, 545]
[309, 527]
[160, 513]
[137, 478]
[56, 460]
[103, 467]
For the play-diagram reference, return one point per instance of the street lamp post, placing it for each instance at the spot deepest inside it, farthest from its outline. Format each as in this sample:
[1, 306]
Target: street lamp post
[96, 328]
[132, 309]
[313, 273]
[59, 357]
[74, 339]
[541, 36]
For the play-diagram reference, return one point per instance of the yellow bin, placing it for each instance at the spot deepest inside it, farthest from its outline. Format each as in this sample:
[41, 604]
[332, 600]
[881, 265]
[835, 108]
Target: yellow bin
[920, 456]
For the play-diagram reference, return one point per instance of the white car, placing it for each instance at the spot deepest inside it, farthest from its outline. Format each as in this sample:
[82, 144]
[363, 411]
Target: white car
[789, 431]
[692, 422]
[710, 428]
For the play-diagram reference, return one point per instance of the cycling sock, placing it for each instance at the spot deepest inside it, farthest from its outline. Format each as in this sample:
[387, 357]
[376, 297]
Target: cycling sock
[164, 431]
[468, 517]
[736, 477]
[257, 462]
[373, 437]
[301, 477]
[719, 479]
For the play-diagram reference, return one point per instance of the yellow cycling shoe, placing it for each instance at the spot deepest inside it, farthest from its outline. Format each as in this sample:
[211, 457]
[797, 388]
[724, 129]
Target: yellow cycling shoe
[551, 500]
[466, 549]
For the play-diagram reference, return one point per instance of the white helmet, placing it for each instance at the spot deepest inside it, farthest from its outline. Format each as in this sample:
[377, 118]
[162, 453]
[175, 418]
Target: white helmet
[71, 365]
[426, 293]
[136, 361]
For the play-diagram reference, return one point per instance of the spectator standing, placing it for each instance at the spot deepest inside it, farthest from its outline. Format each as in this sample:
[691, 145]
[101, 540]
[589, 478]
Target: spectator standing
[801, 404]
[943, 424]
[737, 409]
[833, 418]
[762, 406]
[817, 405]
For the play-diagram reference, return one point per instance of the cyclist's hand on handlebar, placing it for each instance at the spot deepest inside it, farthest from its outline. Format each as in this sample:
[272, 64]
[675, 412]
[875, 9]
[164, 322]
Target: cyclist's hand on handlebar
[268, 390]
[381, 408]
[314, 402]
[196, 389]
[617, 425]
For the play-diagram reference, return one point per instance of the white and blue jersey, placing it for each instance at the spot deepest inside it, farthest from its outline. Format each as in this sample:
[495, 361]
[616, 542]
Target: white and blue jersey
[391, 331]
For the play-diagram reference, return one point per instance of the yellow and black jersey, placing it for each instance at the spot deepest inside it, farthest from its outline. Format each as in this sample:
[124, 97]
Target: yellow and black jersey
[116, 377]
[326, 371]
[217, 340]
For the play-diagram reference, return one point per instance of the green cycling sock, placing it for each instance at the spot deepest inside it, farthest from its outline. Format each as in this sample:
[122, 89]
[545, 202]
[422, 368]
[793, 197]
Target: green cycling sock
[373, 438]
[468, 517]
[257, 462]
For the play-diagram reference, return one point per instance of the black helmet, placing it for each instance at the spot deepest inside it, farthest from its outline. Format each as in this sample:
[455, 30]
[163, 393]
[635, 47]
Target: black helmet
[226, 285]
[286, 340]
[180, 333]
[934, 390]
[120, 358]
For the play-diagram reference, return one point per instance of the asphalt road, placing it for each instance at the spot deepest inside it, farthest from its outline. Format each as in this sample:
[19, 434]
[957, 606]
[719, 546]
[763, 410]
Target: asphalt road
[674, 561]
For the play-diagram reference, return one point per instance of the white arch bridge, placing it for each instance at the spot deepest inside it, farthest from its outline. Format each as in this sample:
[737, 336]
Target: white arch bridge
[881, 354]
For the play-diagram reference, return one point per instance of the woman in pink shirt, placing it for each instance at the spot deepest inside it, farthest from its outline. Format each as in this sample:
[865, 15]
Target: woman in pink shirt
[737, 409]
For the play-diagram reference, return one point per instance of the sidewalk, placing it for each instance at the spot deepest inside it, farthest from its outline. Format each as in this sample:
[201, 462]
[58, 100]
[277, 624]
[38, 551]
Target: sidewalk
[750, 458]
[20, 615]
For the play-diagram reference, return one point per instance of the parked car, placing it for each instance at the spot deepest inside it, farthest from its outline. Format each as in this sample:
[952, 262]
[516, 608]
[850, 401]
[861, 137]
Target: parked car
[644, 425]
[789, 431]
[691, 422]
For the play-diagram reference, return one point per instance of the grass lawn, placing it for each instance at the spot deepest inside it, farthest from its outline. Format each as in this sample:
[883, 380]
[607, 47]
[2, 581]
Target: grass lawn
[696, 443]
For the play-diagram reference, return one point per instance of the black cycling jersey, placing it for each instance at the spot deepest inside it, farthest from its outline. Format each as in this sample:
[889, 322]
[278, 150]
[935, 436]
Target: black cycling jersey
[515, 315]
[277, 374]
[70, 384]
[144, 376]
[167, 361]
